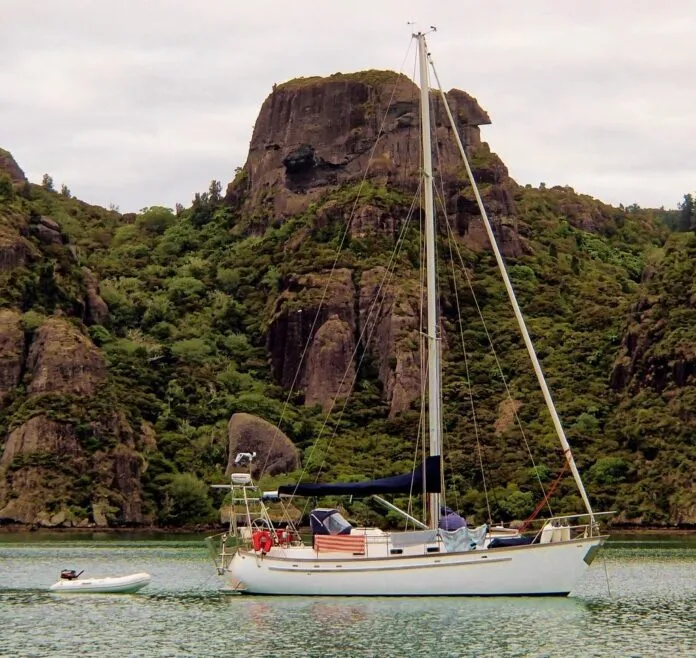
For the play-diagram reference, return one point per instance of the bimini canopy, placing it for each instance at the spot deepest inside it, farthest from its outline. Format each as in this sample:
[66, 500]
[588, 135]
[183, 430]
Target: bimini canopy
[422, 479]
[325, 521]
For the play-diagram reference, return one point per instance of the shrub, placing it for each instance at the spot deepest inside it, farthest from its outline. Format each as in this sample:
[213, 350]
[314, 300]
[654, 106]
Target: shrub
[609, 470]
[186, 501]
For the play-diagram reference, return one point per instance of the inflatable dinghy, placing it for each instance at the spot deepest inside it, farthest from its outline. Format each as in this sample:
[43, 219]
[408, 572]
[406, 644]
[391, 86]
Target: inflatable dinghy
[70, 582]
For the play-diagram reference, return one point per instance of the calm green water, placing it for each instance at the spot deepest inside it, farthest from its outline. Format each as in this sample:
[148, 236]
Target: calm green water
[651, 610]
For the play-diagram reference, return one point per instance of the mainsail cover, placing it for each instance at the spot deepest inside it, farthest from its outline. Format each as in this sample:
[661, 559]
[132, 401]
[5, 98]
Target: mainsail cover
[428, 475]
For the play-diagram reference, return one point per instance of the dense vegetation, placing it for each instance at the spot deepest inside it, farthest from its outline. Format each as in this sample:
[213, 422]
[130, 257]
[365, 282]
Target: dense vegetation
[191, 295]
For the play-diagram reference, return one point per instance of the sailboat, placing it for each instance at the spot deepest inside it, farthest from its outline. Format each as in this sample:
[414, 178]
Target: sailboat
[260, 556]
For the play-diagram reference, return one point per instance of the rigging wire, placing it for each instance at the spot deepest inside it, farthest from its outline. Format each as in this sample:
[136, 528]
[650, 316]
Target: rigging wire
[478, 308]
[497, 362]
[384, 284]
[440, 195]
[310, 335]
[376, 304]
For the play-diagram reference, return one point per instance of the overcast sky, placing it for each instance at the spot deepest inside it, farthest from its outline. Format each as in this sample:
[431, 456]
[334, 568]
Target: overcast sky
[143, 102]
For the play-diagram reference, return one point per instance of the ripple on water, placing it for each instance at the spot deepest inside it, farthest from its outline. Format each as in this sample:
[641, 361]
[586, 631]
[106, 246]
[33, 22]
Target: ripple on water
[182, 613]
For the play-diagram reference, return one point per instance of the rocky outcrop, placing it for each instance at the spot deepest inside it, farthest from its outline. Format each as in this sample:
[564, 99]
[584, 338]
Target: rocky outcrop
[314, 133]
[389, 321]
[41, 467]
[96, 309]
[330, 363]
[63, 360]
[275, 452]
[386, 325]
[656, 350]
[11, 350]
[15, 250]
[9, 166]
[507, 412]
[40, 435]
[119, 472]
[306, 304]
[29, 464]
[47, 230]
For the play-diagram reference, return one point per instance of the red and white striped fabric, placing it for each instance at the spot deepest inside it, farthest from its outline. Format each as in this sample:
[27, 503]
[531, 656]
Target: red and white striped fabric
[340, 543]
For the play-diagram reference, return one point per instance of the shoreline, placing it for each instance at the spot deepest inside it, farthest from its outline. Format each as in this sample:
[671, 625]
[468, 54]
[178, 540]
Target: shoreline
[17, 528]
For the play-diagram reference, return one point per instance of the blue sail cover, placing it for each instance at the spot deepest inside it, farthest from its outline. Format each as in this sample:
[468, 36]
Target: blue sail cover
[396, 484]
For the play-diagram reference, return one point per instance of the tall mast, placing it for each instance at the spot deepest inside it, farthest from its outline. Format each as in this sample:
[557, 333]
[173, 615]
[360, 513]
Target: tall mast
[434, 417]
[518, 313]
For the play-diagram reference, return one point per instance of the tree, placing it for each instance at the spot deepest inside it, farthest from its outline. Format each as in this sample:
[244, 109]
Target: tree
[687, 214]
[156, 220]
[47, 183]
[65, 190]
[178, 209]
[201, 211]
[6, 189]
[214, 191]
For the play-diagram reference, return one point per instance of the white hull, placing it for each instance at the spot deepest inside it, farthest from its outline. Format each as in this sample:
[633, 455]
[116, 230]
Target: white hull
[111, 585]
[537, 569]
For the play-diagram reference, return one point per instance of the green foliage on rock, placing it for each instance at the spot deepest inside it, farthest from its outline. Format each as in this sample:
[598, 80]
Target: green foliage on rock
[192, 295]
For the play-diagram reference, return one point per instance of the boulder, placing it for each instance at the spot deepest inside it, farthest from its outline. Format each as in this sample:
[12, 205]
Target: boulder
[48, 231]
[275, 452]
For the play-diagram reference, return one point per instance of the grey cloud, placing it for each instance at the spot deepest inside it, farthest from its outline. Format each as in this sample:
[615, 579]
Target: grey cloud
[142, 103]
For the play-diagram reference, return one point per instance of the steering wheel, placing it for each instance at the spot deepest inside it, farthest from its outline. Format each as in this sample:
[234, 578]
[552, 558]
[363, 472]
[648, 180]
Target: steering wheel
[260, 524]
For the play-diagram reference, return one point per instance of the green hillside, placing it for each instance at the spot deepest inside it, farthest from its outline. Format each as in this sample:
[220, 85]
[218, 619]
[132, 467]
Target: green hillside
[191, 298]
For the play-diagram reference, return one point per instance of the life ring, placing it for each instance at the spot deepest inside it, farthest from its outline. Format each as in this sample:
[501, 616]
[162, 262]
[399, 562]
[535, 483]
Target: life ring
[262, 541]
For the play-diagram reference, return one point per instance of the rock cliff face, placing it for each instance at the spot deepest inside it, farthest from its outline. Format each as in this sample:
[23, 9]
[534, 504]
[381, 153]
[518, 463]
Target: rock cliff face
[301, 311]
[11, 168]
[379, 317]
[11, 350]
[97, 311]
[15, 249]
[315, 133]
[43, 459]
[62, 359]
[389, 316]
[43, 464]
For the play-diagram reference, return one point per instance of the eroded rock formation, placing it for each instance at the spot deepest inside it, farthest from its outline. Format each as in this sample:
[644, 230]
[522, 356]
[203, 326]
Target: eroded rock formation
[308, 302]
[63, 360]
[97, 311]
[15, 249]
[11, 350]
[44, 463]
[389, 318]
[11, 168]
[41, 469]
[314, 133]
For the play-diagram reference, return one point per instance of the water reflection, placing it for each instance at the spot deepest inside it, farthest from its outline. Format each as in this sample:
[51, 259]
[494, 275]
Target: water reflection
[650, 610]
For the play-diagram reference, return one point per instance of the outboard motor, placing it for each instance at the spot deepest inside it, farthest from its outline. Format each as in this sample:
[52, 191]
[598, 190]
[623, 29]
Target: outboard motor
[70, 574]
